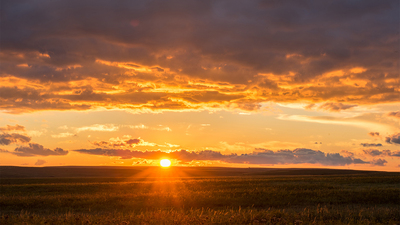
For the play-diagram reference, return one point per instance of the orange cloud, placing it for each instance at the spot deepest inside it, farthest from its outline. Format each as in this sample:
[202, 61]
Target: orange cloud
[11, 128]
[122, 62]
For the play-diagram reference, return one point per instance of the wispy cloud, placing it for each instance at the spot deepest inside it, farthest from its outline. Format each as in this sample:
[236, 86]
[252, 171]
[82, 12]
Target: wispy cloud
[142, 126]
[63, 135]
[98, 127]
[12, 128]
[128, 141]
[36, 133]
[349, 121]
[331, 106]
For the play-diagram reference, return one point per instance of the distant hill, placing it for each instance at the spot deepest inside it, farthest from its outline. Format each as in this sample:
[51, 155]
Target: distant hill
[103, 171]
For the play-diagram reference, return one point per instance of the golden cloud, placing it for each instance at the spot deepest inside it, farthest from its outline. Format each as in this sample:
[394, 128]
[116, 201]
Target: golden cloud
[194, 58]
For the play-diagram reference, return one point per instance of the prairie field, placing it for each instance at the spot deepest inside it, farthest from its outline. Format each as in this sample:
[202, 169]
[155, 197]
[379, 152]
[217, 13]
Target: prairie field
[90, 195]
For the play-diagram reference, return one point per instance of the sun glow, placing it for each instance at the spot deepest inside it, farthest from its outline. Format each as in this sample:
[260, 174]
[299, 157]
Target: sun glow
[165, 163]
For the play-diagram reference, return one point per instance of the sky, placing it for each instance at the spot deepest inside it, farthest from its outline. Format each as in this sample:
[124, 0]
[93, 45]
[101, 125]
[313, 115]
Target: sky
[277, 84]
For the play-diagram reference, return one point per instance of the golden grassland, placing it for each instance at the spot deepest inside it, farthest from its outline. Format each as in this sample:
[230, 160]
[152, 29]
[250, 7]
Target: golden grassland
[159, 196]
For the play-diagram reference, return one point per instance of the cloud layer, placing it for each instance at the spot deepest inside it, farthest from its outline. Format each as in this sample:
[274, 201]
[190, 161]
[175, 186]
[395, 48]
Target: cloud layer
[194, 55]
[260, 156]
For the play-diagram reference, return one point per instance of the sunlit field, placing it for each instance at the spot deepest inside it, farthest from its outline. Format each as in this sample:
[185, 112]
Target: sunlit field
[197, 196]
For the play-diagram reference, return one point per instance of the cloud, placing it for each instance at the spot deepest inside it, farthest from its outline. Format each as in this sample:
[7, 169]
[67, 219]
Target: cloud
[134, 141]
[142, 126]
[332, 106]
[397, 154]
[371, 144]
[394, 139]
[98, 127]
[36, 149]
[379, 162]
[394, 114]
[347, 153]
[36, 133]
[4, 151]
[63, 135]
[260, 156]
[375, 152]
[7, 139]
[168, 145]
[40, 162]
[125, 142]
[32, 149]
[373, 134]
[349, 121]
[297, 156]
[212, 55]
[12, 128]
[141, 162]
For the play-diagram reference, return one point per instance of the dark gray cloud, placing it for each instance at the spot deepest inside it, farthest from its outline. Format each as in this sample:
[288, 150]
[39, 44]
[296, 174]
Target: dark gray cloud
[394, 139]
[376, 152]
[373, 152]
[134, 141]
[7, 139]
[260, 156]
[217, 52]
[379, 162]
[371, 144]
[36, 149]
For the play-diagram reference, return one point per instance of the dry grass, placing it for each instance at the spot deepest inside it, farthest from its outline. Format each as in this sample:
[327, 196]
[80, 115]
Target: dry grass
[308, 215]
[347, 199]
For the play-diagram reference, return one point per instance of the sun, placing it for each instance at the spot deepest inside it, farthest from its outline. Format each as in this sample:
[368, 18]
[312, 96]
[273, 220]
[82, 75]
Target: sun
[165, 163]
